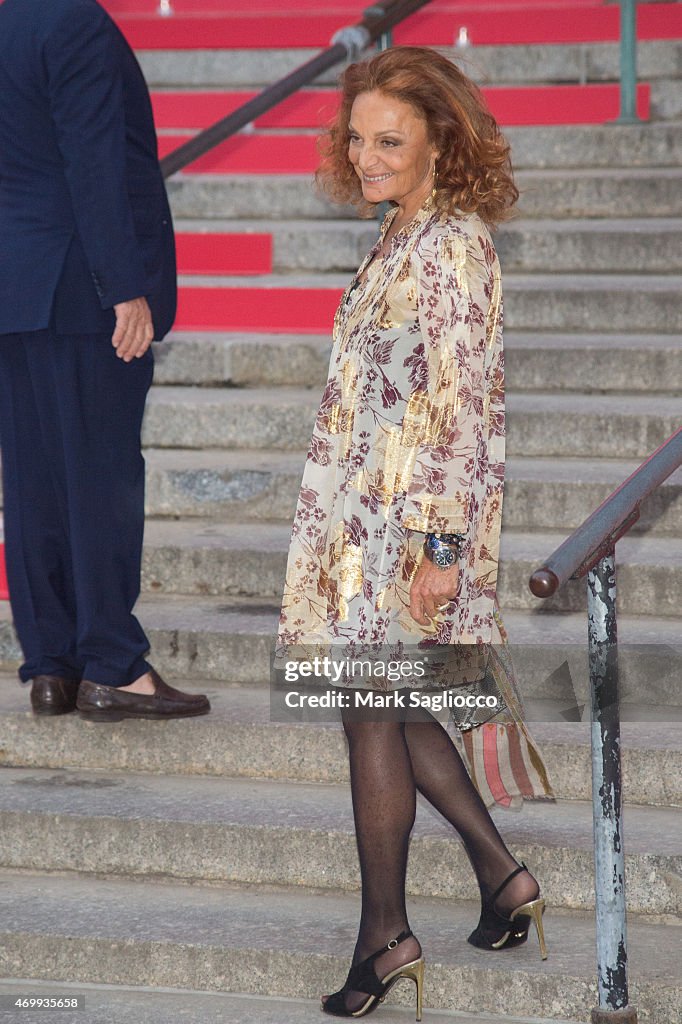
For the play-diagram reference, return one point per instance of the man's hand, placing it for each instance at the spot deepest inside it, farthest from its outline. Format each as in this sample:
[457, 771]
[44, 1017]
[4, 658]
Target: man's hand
[431, 587]
[134, 329]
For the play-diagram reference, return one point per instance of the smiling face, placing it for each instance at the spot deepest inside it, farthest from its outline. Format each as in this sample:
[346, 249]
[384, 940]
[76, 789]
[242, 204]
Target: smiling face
[389, 147]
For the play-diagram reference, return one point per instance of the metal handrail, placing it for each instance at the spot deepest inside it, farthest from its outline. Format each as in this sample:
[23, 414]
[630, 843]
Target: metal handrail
[614, 517]
[347, 44]
[591, 550]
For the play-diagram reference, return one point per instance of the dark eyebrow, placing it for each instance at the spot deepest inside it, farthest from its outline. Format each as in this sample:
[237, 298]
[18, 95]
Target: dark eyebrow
[387, 131]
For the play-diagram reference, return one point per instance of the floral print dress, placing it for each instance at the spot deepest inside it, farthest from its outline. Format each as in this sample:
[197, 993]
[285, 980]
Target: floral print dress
[409, 438]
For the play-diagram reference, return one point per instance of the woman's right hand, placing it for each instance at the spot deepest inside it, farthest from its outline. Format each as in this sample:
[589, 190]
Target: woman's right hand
[431, 588]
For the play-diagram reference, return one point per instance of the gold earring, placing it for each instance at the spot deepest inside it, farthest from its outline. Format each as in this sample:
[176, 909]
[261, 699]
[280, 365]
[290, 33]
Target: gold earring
[434, 190]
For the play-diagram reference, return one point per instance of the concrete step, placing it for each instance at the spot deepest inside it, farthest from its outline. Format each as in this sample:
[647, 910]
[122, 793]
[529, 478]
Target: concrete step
[237, 485]
[207, 357]
[583, 245]
[610, 426]
[539, 493]
[204, 829]
[619, 245]
[591, 362]
[554, 302]
[193, 417]
[544, 361]
[493, 65]
[560, 494]
[648, 570]
[666, 100]
[207, 558]
[118, 1004]
[215, 558]
[614, 190]
[241, 739]
[250, 939]
[228, 641]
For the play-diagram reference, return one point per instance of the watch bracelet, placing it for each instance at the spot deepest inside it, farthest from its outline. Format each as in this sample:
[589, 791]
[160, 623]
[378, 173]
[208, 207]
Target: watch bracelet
[450, 540]
[439, 552]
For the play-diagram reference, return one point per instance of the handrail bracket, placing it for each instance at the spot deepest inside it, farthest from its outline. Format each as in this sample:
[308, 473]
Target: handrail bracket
[607, 545]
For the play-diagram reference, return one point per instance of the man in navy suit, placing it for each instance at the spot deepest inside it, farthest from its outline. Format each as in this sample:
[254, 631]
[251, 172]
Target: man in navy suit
[87, 281]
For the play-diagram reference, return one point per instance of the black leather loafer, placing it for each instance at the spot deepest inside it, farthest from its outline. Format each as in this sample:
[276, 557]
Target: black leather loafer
[100, 703]
[53, 695]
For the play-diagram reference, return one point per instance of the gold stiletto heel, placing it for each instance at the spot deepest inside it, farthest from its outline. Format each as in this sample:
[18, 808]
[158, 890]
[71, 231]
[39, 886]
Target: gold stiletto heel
[413, 971]
[362, 978]
[416, 972]
[534, 910]
[494, 931]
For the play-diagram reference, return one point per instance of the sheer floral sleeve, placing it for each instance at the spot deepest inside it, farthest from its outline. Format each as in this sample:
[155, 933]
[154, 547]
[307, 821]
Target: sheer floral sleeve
[458, 300]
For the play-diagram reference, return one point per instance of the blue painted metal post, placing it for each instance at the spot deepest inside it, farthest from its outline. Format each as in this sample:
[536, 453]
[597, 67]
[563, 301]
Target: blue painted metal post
[628, 63]
[609, 869]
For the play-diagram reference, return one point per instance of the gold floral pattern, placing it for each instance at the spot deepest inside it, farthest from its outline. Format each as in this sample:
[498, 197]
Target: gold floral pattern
[409, 437]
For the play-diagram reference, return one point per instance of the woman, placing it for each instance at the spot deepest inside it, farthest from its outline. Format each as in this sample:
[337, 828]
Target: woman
[396, 536]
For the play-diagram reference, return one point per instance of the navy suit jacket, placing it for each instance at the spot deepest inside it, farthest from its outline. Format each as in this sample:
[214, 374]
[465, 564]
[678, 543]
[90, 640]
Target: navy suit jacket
[84, 215]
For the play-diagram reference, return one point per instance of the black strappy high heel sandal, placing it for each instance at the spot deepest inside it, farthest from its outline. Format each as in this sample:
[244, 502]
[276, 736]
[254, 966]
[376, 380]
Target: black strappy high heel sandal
[496, 932]
[362, 978]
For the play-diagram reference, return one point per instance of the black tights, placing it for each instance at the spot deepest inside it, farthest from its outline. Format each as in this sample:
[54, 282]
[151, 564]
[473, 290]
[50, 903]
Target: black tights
[389, 762]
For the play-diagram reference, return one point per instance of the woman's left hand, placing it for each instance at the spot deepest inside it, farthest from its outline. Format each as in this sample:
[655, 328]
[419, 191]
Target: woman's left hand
[431, 588]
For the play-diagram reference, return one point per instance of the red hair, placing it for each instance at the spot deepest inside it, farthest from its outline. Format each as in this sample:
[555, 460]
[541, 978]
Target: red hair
[474, 167]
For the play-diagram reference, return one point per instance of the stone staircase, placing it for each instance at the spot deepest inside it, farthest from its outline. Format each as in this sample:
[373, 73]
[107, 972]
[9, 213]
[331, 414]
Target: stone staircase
[206, 870]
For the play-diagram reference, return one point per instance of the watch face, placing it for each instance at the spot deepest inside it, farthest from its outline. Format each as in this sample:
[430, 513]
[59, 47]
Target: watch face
[444, 558]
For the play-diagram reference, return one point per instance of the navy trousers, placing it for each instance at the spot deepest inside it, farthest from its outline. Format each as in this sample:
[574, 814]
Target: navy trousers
[73, 482]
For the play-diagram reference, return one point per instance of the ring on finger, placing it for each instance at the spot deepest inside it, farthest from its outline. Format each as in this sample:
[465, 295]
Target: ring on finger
[443, 607]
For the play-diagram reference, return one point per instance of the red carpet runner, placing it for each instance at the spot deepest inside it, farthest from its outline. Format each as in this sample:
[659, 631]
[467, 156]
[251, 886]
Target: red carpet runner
[531, 105]
[494, 24]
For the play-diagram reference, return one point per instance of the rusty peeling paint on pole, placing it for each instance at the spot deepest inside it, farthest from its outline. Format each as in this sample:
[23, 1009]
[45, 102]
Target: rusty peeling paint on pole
[606, 788]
